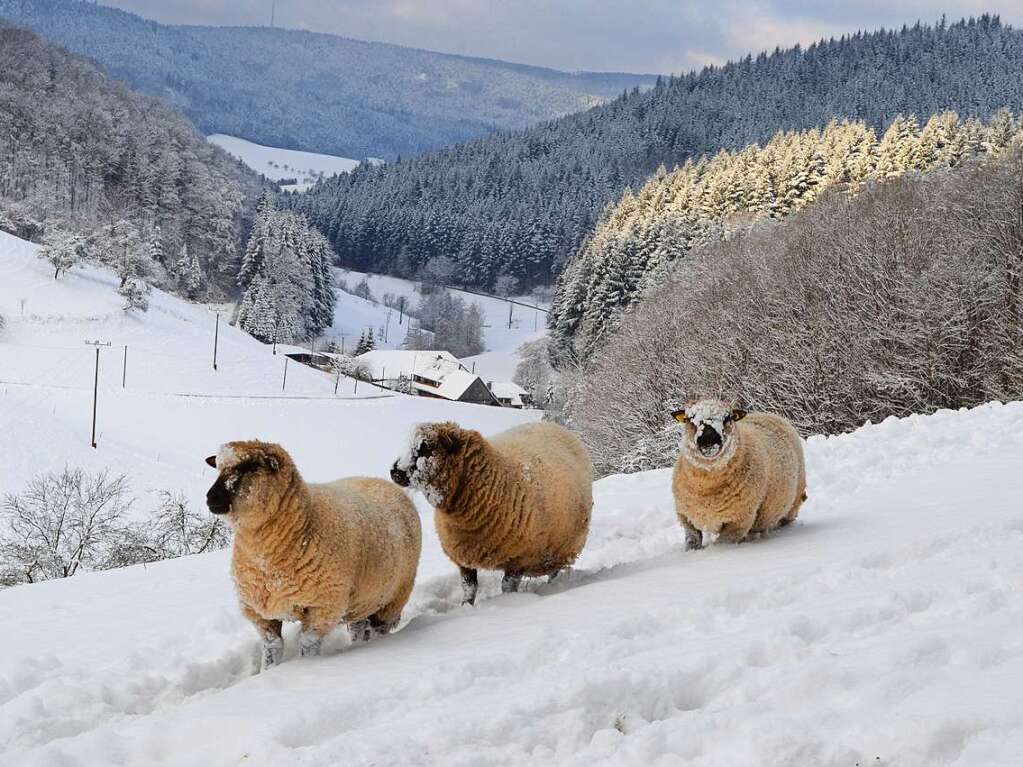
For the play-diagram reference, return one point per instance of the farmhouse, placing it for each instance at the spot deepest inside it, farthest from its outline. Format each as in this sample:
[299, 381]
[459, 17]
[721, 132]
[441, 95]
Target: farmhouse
[427, 374]
[509, 394]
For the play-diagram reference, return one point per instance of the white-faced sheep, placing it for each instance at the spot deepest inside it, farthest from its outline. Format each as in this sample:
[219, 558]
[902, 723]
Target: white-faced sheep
[738, 473]
[518, 502]
[321, 554]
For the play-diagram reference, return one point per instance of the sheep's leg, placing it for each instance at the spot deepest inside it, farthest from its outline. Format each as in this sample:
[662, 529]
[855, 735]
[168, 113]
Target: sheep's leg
[694, 537]
[309, 643]
[510, 583]
[470, 585]
[316, 624]
[359, 631]
[736, 532]
[270, 633]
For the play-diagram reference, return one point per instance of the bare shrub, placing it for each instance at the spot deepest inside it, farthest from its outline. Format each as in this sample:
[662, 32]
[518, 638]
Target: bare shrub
[63, 522]
[69, 522]
[904, 300]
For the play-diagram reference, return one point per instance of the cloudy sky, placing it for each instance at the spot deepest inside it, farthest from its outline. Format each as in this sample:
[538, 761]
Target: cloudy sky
[603, 35]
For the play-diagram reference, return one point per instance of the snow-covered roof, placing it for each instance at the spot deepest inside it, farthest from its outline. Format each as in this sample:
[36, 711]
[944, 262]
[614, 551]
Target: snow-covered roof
[508, 390]
[394, 362]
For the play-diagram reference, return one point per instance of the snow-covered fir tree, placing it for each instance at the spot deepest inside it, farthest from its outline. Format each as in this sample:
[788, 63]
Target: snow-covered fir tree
[286, 280]
[635, 243]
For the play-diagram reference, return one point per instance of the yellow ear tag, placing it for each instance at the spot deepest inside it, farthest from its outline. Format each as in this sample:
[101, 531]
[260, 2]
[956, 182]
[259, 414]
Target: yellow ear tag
[680, 416]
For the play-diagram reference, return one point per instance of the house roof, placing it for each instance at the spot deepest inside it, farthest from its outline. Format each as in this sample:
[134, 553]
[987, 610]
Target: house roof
[395, 362]
[440, 373]
[507, 390]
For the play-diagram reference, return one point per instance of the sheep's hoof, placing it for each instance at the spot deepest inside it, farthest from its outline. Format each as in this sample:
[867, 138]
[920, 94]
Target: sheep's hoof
[510, 583]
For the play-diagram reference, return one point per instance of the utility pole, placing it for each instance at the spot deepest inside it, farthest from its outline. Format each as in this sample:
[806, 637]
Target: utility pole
[338, 381]
[216, 339]
[124, 371]
[284, 385]
[95, 386]
[387, 327]
[273, 12]
[510, 307]
[401, 310]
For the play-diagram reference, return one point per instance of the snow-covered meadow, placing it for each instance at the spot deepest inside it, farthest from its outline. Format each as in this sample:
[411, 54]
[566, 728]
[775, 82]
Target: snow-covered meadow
[883, 628]
[502, 338]
[173, 408]
[277, 164]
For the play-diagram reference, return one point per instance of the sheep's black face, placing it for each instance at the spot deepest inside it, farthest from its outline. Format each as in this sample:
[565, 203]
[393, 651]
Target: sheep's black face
[403, 468]
[235, 479]
[710, 428]
[399, 476]
[218, 499]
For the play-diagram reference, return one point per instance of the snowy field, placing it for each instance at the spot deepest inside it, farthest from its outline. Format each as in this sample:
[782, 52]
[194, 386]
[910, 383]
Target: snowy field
[277, 164]
[882, 629]
[173, 409]
[502, 341]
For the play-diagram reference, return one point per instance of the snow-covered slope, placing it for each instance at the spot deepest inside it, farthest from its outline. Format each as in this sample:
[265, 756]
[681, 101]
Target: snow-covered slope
[501, 337]
[174, 408]
[277, 164]
[882, 629]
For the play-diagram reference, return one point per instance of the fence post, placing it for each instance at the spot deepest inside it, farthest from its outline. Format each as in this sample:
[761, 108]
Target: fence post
[338, 381]
[124, 372]
[284, 385]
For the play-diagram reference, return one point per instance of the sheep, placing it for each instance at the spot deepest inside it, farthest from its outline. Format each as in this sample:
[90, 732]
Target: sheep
[320, 554]
[738, 474]
[518, 502]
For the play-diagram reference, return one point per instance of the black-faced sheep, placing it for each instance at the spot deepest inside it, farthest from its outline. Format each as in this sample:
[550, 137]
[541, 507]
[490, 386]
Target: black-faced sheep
[738, 473]
[518, 502]
[321, 554]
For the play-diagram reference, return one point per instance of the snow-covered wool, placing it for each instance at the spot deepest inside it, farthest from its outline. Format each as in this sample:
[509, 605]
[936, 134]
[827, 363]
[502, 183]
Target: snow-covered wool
[321, 554]
[738, 473]
[518, 502]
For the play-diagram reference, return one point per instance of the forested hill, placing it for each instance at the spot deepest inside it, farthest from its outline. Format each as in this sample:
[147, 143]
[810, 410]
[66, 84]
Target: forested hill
[522, 202]
[103, 173]
[316, 92]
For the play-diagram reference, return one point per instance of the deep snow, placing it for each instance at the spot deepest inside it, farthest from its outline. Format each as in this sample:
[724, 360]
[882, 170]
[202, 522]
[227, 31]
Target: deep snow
[883, 628]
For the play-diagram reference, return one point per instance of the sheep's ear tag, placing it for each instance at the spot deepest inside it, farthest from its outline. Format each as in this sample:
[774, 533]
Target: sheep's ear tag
[212, 461]
[738, 414]
[680, 416]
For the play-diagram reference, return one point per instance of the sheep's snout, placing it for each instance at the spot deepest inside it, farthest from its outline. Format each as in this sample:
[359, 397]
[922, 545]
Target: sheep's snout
[709, 440]
[218, 499]
[398, 476]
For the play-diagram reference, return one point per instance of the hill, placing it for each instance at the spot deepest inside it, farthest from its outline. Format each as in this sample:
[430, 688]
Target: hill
[522, 203]
[315, 92]
[294, 170]
[128, 176]
[167, 408]
[876, 630]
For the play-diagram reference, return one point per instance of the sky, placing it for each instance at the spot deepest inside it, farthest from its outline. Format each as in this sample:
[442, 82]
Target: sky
[601, 35]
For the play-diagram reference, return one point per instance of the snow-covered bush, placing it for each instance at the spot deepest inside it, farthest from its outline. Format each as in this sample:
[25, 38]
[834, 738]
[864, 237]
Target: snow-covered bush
[68, 522]
[63, 522]
[906, 299]
[64, 250]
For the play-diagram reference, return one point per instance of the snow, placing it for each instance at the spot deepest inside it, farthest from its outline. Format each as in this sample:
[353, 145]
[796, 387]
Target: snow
[174, 409]
[500, 359]
[277, 164]
[401, 361]
[882, 628]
